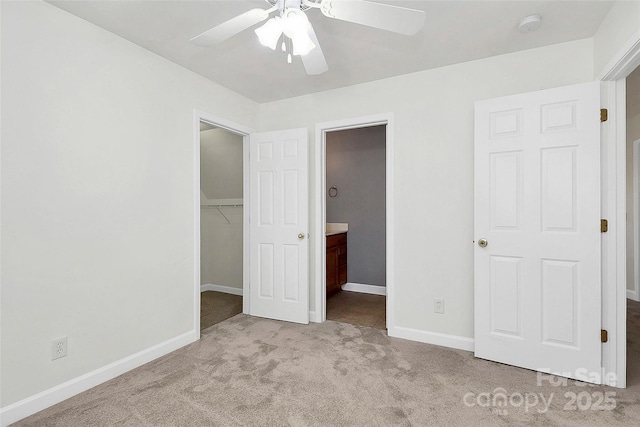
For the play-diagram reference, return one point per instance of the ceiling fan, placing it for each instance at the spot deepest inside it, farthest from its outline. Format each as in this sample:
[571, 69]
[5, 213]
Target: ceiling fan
[290, 24]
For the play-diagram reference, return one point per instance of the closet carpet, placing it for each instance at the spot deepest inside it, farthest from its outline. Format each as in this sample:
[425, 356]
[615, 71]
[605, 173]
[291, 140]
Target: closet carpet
[217, 306]
[248, 371]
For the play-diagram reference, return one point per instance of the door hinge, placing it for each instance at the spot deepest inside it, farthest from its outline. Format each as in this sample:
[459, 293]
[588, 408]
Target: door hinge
[604, 115]
[604, 225]
[604, 335]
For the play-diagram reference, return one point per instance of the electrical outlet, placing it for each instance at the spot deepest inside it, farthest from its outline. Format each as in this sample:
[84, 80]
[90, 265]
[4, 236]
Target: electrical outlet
[438, 306]
[58, 348]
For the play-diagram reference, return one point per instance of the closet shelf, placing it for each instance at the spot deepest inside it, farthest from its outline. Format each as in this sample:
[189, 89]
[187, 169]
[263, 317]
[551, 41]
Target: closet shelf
[220, 203]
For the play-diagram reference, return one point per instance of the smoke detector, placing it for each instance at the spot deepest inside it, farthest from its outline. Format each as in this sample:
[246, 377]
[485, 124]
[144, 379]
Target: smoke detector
[530, 23]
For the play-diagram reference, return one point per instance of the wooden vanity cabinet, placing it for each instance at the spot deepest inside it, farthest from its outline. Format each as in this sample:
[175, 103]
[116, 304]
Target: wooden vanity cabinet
[336, 262]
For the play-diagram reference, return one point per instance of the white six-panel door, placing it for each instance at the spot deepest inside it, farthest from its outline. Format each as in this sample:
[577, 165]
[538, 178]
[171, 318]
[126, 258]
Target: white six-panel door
[279, 217]
[537, 204]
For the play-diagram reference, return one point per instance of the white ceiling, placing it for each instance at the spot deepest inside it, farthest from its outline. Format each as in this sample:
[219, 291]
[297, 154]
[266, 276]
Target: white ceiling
[455, 31]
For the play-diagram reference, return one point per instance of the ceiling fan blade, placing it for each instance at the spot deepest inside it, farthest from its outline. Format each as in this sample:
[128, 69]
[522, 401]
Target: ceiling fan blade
[230, 28]
[314, 61]
[378, 15]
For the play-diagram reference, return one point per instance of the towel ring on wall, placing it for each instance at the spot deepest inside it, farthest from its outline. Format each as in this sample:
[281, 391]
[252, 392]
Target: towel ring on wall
[333, 192]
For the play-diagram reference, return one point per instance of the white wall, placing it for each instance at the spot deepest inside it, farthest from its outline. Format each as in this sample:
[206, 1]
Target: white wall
[433, 113]
[221, 230]
[621, 24]
[97, 195]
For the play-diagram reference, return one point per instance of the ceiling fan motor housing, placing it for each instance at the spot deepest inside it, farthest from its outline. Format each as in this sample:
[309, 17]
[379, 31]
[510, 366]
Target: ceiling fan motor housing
[283, 5]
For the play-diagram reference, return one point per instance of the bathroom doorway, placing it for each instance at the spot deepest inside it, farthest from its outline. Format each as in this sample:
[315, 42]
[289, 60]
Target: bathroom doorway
[221, 224]
[355, 212]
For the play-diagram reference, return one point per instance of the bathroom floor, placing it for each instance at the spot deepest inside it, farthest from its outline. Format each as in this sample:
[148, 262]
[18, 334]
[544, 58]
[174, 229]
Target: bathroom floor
[217, 306]
[357, 309]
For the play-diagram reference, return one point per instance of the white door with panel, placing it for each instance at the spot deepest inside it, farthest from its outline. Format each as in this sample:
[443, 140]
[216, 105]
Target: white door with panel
[278, 224]
[537, 231]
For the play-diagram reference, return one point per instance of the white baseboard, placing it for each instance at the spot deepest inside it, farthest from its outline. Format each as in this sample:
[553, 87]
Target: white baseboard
[221, 288]
[444, 340]
[29, 406]
[365, 289]
[631, 294]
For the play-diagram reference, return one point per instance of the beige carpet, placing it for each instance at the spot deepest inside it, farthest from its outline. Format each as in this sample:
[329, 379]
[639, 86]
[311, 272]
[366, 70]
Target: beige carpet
[251, 371]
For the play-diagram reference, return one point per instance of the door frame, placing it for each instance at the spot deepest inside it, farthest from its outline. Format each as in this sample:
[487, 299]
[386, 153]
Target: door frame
[614, 208]
[319, 312]
[244, 131]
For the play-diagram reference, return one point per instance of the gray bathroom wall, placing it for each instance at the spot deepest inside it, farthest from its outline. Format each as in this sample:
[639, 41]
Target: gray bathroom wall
[356, 166]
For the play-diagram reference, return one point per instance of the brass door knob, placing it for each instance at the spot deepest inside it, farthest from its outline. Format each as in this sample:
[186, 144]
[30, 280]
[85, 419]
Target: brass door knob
[483, 243]
[301, 236]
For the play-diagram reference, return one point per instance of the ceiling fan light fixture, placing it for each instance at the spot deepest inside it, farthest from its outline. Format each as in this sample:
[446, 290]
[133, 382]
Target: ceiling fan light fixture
[270, 32]
[294, 21]
[295, 25]
[302, 44]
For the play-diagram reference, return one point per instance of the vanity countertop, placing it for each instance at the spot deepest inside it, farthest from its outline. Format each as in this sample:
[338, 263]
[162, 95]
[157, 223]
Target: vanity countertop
[336, 228]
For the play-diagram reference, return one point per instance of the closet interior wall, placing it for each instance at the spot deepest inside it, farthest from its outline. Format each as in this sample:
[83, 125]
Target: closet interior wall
[221, 208]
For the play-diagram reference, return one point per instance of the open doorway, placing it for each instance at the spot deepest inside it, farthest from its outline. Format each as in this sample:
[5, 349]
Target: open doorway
[289, 148]
[221, 224]
[633, 226]
[355, 203]
[614, 206]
